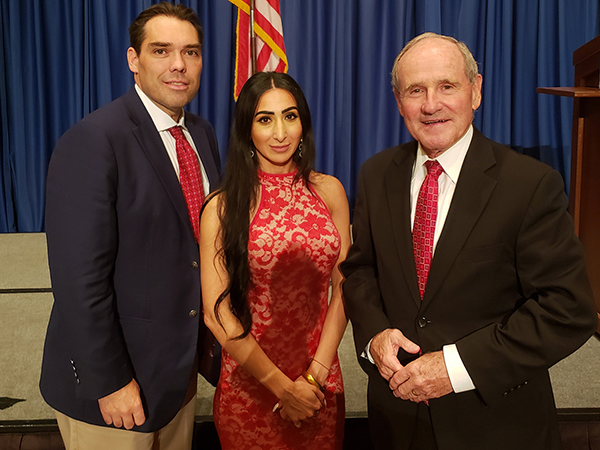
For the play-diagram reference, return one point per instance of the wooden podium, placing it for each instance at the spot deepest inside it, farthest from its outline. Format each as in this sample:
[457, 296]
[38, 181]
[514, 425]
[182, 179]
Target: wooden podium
[585, 154]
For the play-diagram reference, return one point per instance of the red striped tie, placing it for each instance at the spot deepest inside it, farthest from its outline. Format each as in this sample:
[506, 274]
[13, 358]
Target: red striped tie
[190, 178]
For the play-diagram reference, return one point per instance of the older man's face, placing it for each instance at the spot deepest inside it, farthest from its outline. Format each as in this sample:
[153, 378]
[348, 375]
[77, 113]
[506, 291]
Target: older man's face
[436, 98]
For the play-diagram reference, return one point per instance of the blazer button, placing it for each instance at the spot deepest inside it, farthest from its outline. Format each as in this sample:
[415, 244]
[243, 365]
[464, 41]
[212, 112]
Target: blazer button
[195, 265]
[193, 313]
[422, 322]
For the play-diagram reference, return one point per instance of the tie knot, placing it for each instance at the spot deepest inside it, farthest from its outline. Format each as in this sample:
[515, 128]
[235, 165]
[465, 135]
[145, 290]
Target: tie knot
[434, 168]
[176, 132]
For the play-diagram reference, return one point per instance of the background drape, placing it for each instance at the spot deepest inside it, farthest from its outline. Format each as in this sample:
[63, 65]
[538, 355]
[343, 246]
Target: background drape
[61, 59]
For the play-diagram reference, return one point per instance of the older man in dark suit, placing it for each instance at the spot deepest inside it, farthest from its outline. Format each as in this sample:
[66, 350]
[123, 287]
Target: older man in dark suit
[124, 191]
[465, 282]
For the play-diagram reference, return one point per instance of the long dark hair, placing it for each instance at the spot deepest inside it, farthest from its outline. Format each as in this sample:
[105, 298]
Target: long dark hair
[239, 189]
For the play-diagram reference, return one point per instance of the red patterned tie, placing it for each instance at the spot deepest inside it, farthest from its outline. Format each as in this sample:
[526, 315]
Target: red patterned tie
[424, 225]
[190, 177]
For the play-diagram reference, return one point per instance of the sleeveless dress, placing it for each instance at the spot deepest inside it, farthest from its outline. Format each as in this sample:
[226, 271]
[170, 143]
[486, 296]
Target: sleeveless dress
[293, 247]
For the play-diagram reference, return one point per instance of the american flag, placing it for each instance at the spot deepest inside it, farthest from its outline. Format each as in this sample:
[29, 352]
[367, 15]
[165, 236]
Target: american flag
[270, 48]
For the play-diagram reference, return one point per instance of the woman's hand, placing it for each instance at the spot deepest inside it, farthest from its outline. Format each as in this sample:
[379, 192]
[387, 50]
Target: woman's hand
[302, 401]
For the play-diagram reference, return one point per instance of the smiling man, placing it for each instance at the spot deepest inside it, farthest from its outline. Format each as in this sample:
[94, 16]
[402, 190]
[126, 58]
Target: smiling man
[125, 187]
[465, 282]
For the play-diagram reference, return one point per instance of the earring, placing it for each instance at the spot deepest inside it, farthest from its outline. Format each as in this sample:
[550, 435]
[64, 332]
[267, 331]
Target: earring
[300, 150]
[251, 154]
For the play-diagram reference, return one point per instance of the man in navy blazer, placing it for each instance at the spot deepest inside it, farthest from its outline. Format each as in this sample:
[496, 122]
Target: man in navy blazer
[122, 343]
[464, 364]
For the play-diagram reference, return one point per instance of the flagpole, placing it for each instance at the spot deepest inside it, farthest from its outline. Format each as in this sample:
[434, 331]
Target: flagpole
[252, 38]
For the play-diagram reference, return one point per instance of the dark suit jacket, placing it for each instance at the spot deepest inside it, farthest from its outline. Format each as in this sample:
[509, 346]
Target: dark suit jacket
[507, 285]
[124, 265]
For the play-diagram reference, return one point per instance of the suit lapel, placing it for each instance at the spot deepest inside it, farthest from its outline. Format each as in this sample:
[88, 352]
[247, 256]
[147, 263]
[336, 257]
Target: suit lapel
[154, 149]
[397, 187]
[202, 143]
[472, 193]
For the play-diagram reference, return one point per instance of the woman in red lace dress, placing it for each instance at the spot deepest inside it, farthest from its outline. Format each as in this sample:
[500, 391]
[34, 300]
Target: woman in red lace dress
[271, 243]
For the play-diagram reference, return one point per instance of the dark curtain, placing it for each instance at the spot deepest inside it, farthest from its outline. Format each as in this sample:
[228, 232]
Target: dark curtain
[61, 59]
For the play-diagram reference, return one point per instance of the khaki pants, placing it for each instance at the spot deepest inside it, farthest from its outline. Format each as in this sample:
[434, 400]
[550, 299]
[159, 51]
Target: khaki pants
[176, 435]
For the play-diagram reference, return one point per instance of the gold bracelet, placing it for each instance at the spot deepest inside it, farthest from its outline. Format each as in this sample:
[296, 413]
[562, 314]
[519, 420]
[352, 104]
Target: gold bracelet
[321, 364]
[308, 377]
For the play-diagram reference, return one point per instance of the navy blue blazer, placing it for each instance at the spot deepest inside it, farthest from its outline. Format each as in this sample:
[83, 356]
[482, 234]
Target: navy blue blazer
[124, 265]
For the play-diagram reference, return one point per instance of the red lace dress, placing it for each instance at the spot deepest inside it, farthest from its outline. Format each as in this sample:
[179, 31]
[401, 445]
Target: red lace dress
[293, 247]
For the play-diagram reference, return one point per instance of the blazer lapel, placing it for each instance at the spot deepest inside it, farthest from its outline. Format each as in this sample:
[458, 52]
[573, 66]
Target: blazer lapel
[397, 187]
[472, 193]
[202, 143]
[154, 148]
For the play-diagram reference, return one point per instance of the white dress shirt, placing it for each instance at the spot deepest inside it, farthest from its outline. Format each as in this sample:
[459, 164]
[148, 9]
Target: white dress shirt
[162, 122]
[451, 161]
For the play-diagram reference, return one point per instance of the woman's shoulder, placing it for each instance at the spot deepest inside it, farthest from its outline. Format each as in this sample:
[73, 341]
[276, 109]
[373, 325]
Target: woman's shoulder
[211, 204]
[326, 182]
[328, 187]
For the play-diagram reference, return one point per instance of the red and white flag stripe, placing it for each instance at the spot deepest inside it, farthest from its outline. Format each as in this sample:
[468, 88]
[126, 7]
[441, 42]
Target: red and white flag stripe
[270, 48]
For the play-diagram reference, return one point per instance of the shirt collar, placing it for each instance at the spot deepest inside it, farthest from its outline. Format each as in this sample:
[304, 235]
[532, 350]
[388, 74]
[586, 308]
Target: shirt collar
[452, 159]
[162, 121]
